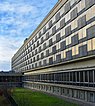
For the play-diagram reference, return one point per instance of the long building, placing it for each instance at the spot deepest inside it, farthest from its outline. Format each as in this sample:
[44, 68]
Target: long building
[10, 79]
[59, 56]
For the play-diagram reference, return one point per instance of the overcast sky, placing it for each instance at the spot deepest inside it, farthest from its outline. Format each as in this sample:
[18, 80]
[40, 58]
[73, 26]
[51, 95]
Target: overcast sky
[18, 19]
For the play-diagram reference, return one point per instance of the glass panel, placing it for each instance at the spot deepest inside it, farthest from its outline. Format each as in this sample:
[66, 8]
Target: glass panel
[81, 76]
[86, 76]
[89, 45]
[90, 76]
[93, 43]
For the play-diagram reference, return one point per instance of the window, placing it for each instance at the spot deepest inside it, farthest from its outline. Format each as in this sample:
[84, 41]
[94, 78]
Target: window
[62, 23]
[47, 35]
[50, 24]
[67, 17]
[44, 62]
[74, 76]
[32, 53]
[37, 57]
[44, 29]
[37, 43]
[35, 65]
[42, 40]
[91, 96]
[81, 76]
[67, 74]
[58, 58]
[40, 63]
[69, 55]
[63, 45]
[78, 74]
[91, 32]
[54, 30]
[90, 76]
[34, 46]
[86, 76]
[58, 38]
[44, 46]
[40, 49]
[74, 13]
[50, 42]
[71, 77]
[54, 49]
[42, 55]
[31, 48]
[89, 45]
[75, 50]
[68, 31]
[89, 3]
[39, 34]
[83, 50]
[35, 38]
[32, 65]
[74, 39]
[36, 51]
[47, 52]
[51, 60]
[82, 22]
[67, 7]
[33, 59]
[32, 41]
[72, 2]
[93, 43]
[94, 75]
[57, 17]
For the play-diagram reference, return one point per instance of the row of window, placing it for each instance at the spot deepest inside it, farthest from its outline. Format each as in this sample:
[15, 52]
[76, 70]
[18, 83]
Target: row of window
[74, 40]
[68, 31]
[79, 78]
[57, 17]
[10, 79]
[63, 21]
[74, 13]
[87, 96]
[47, 59]
[44, 28]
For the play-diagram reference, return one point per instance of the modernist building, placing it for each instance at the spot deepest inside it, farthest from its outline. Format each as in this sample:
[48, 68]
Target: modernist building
[59, 56]
[10, 79]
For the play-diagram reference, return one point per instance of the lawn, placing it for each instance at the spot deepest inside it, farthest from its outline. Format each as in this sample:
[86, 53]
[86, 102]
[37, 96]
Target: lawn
[26, 97]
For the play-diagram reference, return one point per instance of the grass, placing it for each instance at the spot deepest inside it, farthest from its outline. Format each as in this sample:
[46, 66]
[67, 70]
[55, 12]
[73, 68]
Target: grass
[26, 97]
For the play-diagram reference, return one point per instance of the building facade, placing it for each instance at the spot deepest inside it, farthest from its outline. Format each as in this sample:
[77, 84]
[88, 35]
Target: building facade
[10, 79]
[59, 56]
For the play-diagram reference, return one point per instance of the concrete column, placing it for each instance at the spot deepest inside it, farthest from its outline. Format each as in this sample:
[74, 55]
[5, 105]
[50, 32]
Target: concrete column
[93, 77]
[76, 76]
[88, 76]
[69, 76]
[83, 76]
[54, 77]
[40, 77]
[79, 76]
